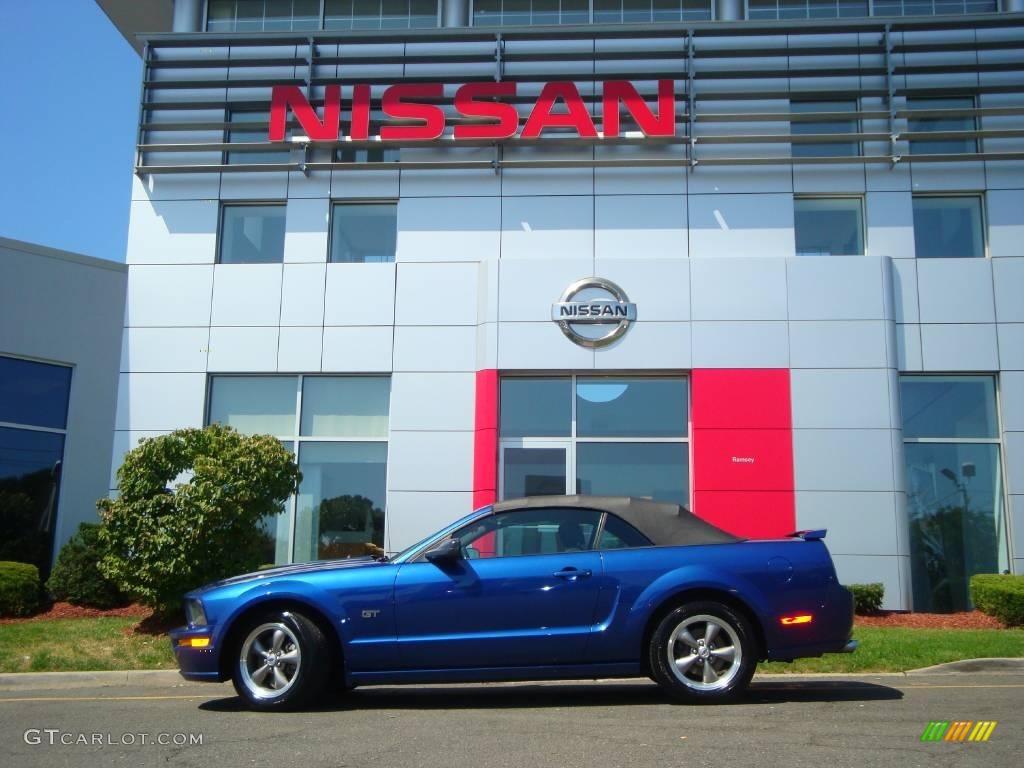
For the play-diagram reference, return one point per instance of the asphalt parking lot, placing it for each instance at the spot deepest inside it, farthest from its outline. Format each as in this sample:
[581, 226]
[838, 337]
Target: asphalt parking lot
[807, 721]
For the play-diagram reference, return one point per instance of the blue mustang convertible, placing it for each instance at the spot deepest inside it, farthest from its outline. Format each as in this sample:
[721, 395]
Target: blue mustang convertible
[550, 587]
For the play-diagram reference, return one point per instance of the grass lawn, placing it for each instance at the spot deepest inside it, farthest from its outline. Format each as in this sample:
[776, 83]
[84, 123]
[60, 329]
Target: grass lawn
[893, 649]
[100, 644]
[60, 645]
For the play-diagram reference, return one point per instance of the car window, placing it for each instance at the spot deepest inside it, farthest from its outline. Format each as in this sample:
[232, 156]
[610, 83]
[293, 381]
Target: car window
[530, 532]
[618, 534]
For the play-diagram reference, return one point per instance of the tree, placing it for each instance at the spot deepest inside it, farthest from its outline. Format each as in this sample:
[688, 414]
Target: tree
[162, 541]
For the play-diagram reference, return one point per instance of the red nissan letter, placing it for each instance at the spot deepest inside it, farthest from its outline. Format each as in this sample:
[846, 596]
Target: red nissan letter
[360, 128]
[620, 90]
[466, 103]
[283, 97]
[541, 117]
[431, 114]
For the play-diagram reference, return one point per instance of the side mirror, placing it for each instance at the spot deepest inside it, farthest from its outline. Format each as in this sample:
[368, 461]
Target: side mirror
[448, 552]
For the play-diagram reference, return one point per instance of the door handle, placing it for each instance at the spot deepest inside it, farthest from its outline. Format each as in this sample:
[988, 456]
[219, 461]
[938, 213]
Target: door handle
[571, 574]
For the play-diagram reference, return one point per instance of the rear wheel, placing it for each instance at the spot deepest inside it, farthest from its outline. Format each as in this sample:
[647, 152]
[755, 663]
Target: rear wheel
[703, 651]
[282, 662]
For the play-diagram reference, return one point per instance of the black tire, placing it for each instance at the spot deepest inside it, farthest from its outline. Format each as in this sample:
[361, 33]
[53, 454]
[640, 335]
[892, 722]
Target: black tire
[281, 662]
[719, 669]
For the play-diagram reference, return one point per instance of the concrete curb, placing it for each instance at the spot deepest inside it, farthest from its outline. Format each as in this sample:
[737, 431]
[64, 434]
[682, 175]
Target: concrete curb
[15, 681]
[972, 665]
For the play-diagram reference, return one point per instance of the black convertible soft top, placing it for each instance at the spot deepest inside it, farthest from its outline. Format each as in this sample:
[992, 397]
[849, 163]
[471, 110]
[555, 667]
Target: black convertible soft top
[665, 524]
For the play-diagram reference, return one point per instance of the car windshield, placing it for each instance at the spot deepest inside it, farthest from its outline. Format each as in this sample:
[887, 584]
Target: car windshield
[408, 552]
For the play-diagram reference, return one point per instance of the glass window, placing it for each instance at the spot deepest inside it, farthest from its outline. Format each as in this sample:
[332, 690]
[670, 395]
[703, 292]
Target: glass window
[618, 534]
[829, 149]
[254, 405]
[530, 532]
[34, 394]
[828, 226]
[957, 522]
[375, 155]
[380, 14]
[29, 490]
[345, 406]
[949, 406]
[936, 124]
[948, 227]
[536, 407]
[933, 7]
[630, 407]
[249, 134]
[806, 9]
[340, 506]
[364, 233]
[252, 234]
[262, 15]
[656, 471]
[533, 472]
[954, 487]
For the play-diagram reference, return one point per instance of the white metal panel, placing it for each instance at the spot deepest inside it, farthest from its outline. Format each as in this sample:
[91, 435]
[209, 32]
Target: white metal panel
[448, 229]
[437, 294]
[357, 349]
[299, 349]
[246, 294]
[841, 399]
[738, 289]
[724, 225]
[640, 226]
[840, 344]
[435, 348]
[302, 294]
[306, 228]
[547, 227]
[955, 290]
[243, 349]
[172, 232]
[155, 350]
[835, 288]
[959, 347]
[178, 296]
[359, 294]
[430, 461]
[160, 401]
[746, 344]
[433, 401]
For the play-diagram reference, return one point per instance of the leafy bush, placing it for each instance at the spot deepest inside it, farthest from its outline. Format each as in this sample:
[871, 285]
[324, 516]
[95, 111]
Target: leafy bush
[161, 542]
[1000, 596]
[76, 576]
[19, 589]
[867, 598]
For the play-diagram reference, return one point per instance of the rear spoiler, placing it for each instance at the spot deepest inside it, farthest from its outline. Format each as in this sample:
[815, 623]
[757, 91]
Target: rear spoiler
[815, 535]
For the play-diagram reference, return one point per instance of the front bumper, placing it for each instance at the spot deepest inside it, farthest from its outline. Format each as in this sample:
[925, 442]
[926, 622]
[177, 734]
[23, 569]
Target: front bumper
[201, 664]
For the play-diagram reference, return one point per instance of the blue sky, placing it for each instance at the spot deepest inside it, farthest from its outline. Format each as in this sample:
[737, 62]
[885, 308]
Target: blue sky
[70, 89]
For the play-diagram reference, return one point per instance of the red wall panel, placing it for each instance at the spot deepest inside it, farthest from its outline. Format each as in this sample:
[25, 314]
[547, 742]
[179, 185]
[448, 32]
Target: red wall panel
[485, 439]
[742, 447]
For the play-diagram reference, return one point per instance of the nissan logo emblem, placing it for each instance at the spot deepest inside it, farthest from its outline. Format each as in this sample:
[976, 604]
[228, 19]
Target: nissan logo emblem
[593, 312]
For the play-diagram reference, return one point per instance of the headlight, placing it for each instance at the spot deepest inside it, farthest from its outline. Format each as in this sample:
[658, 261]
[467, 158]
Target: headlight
[194, 613]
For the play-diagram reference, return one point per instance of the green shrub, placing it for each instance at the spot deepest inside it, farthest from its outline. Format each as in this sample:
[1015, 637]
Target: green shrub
[161, 542]
[76, 576]
[1000, 596]
[867, 598]
[19, 589]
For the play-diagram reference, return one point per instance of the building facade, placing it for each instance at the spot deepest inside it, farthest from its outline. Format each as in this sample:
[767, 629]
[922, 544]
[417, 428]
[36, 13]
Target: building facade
[781, 288]
[61, 317]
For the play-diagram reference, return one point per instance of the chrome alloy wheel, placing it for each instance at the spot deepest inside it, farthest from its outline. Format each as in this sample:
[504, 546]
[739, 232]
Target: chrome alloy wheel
[704, 653]
[270, 660]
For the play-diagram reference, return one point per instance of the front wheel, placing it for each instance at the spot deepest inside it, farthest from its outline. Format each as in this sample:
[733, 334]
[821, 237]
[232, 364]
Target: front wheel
[282, 662]
[703, 651]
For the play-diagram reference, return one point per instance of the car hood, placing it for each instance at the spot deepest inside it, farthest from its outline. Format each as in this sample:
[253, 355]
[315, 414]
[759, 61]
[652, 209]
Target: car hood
[293, 569]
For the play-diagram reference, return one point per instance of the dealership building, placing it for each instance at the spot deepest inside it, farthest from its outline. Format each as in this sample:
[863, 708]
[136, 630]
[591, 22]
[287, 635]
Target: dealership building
[764, 259]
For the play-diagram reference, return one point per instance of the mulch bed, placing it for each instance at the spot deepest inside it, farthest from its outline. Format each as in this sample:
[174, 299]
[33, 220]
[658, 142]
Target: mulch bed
[69, 611]
[962, 620]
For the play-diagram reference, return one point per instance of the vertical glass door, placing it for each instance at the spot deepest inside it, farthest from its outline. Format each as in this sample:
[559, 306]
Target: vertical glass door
[533, 468]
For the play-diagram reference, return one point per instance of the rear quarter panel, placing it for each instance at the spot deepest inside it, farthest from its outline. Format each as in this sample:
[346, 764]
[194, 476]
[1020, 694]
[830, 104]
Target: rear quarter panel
[772, 578]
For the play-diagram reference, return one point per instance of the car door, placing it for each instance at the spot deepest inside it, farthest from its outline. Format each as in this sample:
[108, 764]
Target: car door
[523, 594]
